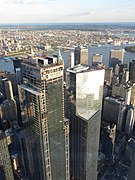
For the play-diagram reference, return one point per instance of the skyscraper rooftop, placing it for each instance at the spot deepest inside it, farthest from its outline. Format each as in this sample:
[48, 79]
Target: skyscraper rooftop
[44, 61]
[82, 68]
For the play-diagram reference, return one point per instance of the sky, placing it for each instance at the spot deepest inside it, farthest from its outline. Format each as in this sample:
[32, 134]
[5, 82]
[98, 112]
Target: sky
[60, 11]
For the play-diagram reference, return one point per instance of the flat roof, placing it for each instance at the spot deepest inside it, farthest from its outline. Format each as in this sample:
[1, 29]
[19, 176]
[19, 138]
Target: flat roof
[83, 68]
[27, 88]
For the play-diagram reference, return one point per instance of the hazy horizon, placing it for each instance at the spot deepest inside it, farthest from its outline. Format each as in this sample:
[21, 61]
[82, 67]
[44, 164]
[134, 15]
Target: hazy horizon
[69, 23]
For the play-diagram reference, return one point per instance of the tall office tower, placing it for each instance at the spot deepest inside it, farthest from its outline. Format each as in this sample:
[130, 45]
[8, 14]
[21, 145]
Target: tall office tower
[81, 55]
[6, 89]
[123, 91]
[116, 57]
[6, 171]
[132, 71]
[85, 103]
[71, 60]
[114, 110]
[108, 76]
[42, 105]
[97, 59]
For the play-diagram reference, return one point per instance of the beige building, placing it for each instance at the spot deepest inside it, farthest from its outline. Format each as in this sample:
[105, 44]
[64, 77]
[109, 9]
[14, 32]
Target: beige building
[97, 59]
[116, 57]
[81, 55]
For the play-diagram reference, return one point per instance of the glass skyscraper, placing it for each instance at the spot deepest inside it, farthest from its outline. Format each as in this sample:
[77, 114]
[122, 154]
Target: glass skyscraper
[42, 105]
[85, 102]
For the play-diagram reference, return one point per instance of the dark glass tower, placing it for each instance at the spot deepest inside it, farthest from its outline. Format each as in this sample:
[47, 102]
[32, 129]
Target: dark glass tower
[42, 105]
[85, 101]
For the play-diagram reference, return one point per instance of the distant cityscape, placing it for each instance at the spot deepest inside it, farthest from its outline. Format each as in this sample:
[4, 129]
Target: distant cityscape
[18, 40]
[67, 111]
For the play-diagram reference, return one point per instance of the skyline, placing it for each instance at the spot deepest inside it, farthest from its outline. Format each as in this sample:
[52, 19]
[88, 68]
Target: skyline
[57, 11]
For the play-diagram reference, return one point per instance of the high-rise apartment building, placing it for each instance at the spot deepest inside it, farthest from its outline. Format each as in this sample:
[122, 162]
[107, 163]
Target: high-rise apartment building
[6, 171]
[81, 55]
[84, 112]
[132, 71]
[116, 57]
[42, 105]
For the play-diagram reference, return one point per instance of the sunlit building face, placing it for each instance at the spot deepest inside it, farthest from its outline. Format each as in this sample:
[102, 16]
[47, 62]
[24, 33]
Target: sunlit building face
[88, 93]
[85, 86]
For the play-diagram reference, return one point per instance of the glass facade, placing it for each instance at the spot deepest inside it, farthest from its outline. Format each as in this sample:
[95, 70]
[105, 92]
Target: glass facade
[89, 93]
[85, 104]
[55, 107]
[42, 105]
